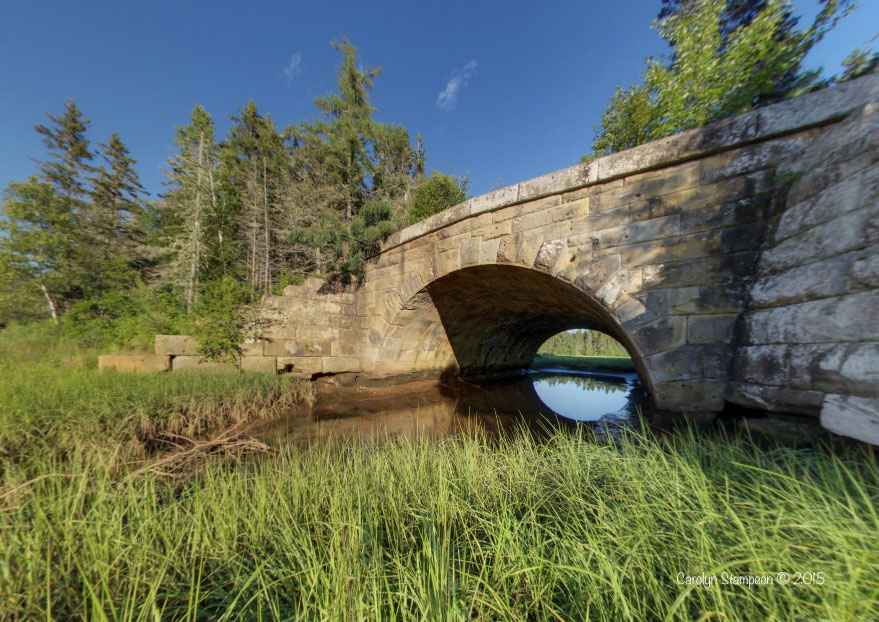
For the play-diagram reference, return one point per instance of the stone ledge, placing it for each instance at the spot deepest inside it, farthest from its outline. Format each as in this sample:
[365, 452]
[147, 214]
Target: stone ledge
[175, 345]
[198, 363]
[259, 364]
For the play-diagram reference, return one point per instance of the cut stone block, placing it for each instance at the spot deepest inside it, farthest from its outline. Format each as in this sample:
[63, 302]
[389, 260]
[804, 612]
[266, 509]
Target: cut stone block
[176, 345]
[251, 347]
[259, 364]
[134, 363]
[299, 364]
[856, 417]
[199, 363]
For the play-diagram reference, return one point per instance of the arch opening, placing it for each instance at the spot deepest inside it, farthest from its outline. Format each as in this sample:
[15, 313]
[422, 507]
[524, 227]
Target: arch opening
[492, 319]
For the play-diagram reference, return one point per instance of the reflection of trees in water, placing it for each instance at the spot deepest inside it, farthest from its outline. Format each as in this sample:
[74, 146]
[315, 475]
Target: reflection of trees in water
[584, 382]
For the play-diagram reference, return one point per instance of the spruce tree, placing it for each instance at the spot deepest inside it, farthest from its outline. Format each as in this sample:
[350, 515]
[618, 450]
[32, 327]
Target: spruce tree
[191, 198]
[117, 211]
[252, 168]
[67, 171]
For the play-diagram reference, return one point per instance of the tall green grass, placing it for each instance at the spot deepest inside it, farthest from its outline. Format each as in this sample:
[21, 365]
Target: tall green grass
[464, 528]
[57, 411]
[458, 529]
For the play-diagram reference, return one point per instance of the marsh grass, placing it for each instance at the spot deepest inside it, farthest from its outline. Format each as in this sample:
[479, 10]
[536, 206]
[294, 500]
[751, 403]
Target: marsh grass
[463, 528]
[58, 412]
[616, 363]
[457, 529]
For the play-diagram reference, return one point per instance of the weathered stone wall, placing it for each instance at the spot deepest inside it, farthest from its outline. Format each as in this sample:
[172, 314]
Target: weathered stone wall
[314, 328]
[810, 338]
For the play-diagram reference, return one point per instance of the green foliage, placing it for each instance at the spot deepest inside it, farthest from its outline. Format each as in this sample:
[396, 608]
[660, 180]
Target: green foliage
[37, 244]
[221, 318]
[287, 277]
[133, 316]
[727, 57]
[461, 528]
[436, 193]
[583, 362]
[352, 241]
[582, 343]
[859, 63]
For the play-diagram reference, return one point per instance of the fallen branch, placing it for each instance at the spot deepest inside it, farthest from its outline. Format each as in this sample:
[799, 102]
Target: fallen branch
[227, 442]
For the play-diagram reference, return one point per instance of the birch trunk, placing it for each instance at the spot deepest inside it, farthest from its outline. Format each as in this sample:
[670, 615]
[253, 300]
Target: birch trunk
[53, 308]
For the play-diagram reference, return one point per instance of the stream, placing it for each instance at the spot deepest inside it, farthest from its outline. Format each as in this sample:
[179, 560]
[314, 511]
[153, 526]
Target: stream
[538, 400]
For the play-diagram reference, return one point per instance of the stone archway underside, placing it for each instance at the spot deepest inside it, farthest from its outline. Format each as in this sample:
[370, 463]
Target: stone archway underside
[490, 318]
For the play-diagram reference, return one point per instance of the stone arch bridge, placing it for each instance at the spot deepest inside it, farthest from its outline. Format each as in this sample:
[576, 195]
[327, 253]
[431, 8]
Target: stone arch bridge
[738, 263]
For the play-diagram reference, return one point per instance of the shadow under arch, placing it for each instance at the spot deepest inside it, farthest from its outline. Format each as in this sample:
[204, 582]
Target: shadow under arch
[488, 319]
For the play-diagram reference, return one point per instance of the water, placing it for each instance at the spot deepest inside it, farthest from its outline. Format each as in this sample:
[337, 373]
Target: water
[606, 402]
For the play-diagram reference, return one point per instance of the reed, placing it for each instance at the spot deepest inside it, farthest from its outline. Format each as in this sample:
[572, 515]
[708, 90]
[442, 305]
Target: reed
[463, 528]
[458, 529]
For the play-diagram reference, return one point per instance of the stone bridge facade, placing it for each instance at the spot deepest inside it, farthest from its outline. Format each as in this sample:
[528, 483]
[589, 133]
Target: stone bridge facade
[738, 263]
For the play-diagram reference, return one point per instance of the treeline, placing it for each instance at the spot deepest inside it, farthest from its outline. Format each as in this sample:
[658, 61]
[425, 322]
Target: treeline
[582, 343]
[81, 242]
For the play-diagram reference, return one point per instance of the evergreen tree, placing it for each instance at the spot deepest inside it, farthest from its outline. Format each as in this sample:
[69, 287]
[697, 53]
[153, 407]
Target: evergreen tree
[252, 167]
[119, 219]
[346, 129]
[68, 168]
[37, 242]
[67, 171]
[190, 200]
[342, 162]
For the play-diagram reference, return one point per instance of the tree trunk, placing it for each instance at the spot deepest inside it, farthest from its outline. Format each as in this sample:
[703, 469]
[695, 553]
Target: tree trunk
[191, 295]
[265, 196]
[53, 309]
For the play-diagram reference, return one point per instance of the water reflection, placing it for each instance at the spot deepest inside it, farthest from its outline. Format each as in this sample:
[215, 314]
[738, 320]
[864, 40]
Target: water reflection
[584, 398]
[534, 399]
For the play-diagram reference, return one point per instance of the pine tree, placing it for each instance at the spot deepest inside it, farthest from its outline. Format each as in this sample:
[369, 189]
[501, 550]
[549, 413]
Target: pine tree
[346, 129]
[67, 171]
[253, 159]
[343, 162]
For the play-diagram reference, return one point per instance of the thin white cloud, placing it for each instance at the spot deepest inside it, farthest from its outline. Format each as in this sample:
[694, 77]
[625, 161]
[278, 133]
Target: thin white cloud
[449, 95]
[294, 68]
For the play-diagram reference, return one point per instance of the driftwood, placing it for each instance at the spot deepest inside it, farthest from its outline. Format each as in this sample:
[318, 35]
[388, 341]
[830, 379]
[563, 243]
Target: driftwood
[229, 443]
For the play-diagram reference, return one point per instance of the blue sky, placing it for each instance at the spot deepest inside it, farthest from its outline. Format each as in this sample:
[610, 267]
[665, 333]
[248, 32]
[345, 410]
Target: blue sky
[500, 91]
